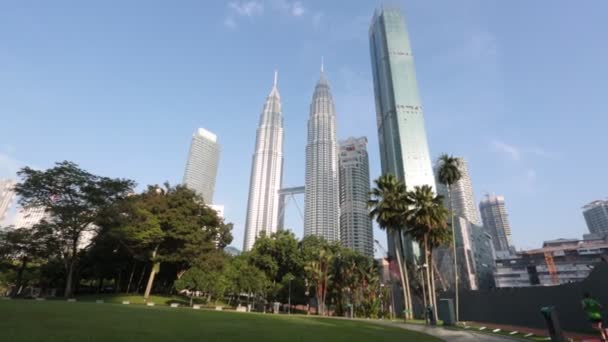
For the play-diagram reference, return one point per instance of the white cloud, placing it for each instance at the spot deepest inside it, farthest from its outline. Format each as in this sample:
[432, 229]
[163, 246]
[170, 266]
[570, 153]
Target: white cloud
[230, 23]
[511, 151]
[541, 152]
[256, 8]
[247, 8]
[297, 10]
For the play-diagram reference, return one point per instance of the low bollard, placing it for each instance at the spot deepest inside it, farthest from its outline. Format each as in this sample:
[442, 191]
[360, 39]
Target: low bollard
[555, 331]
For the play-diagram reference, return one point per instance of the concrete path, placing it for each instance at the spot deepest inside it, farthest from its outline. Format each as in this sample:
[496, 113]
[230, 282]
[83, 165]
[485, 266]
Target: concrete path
[447, 335]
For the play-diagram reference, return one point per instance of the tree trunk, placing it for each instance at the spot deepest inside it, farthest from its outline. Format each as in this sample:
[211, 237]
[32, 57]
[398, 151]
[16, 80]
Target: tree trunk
[131, 276]
[19, 280]
[141, 278]
[428, 269]
[68, 282]
[118, 282]
[155, 267]
[456, 285]
[191, 297]
[405, 283]
[434, 292]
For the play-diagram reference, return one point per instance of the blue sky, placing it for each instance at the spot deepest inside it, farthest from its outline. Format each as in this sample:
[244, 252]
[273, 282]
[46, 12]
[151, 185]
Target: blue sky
[517, 88]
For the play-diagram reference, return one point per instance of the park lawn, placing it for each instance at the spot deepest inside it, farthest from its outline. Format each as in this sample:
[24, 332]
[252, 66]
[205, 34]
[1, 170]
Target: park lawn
[28, 320]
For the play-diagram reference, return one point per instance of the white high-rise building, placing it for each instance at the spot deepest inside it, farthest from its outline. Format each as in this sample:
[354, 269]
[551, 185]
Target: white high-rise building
[7, 194]
[266, 171]
[356, 230]
[463, 198]
[596, 217]
[496, 222]
[322, 213]
[27, 217]
[203, 161]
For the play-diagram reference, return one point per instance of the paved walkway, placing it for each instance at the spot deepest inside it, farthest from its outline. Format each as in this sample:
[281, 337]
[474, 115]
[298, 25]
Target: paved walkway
[447, 335]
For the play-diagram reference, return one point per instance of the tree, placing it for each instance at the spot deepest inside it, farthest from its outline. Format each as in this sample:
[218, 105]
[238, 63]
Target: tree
[277, 255]
[244, 278]
[74, 199]
[196, 280]
[448, 174]
[26, 245]
[318, 271]
[388, 204]
[426, 217]
[172, 226]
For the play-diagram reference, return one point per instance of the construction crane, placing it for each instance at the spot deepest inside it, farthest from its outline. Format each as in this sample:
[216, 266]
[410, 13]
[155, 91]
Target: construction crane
[551, 267]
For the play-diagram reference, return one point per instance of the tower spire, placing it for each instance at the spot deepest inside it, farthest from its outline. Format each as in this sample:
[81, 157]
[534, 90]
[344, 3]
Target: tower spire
[276, 77]
[322, 67]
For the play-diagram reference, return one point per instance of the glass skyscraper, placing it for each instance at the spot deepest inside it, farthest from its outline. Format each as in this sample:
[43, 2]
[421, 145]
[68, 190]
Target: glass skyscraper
[266, 171]
[322, 207]
[355, 224]
[402, 138]
[203, 160]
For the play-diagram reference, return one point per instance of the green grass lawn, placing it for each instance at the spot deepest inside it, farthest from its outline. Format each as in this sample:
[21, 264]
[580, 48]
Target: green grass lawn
[28, 320]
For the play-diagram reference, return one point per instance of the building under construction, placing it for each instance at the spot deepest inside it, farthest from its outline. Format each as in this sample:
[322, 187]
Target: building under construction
[559, 261]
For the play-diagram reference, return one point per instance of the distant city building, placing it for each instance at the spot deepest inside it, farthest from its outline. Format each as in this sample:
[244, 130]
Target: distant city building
[474, 257]
[27, 217]
[266, 171]
[475, 254]
[203, 161]
[219, 209]
[7, 194]
[463, 198]
[356, 230]
[596, 217]
[557, 262]
[484, 256]
[404, 150]
[321, 198]
[496, 221]
[232, 251]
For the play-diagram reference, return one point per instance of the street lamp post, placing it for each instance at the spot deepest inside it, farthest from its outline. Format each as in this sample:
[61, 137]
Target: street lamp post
[289, 310]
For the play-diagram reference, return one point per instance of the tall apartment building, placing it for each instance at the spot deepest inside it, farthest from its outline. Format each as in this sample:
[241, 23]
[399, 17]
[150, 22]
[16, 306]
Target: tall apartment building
[496, 221]
[463, 198]
[266, 171]
[202, 164]
[321, 197]
[27, 217]
[404, 150]
[596, 217]
[7, 194]
[356, 230]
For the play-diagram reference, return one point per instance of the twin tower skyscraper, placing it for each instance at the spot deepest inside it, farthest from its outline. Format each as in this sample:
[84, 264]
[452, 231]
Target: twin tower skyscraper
[321, 216]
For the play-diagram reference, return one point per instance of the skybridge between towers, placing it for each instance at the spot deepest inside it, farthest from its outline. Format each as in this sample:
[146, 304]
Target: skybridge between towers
[285, 195]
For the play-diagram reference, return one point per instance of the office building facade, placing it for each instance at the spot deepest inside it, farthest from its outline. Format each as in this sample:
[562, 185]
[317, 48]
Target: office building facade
[463, 198]
[356, 230]
[7, 195]
[202, 164]
[596, 217]
[496, 222]
[404, 149]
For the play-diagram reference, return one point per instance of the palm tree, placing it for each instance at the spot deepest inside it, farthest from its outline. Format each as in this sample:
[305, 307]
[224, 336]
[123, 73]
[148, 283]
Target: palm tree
[448, 174]
[426, 219]
[387, 206]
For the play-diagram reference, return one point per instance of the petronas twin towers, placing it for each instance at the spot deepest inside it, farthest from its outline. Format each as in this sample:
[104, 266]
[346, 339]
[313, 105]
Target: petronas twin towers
[321, 216]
